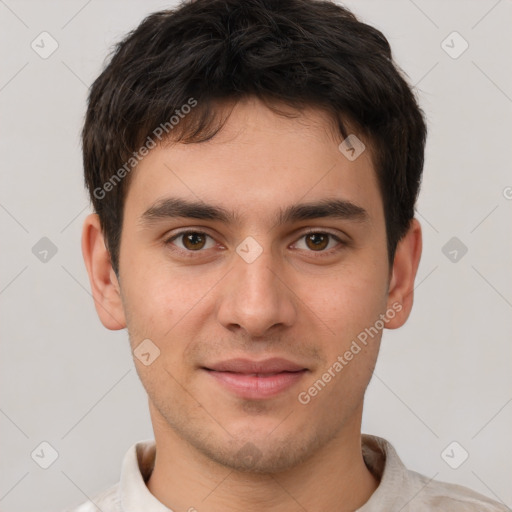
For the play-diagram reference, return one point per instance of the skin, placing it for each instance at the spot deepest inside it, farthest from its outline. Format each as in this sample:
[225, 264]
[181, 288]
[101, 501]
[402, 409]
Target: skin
[290, 302]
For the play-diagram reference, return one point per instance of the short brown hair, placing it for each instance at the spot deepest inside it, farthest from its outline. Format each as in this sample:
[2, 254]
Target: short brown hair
[297, 52]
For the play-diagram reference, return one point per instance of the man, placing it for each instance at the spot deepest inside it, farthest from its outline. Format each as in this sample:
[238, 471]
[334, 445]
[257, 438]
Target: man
[254, 167]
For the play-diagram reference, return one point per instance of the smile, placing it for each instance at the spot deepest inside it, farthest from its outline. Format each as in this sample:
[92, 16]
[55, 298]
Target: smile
[256, 386]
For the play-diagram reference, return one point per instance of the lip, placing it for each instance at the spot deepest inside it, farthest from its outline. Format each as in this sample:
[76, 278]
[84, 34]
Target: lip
[256, 380]
[248, 366]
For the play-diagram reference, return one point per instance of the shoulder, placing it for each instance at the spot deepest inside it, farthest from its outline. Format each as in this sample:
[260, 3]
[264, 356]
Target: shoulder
[409, 491]
[437, 495]
[136, 468]
[107, 501]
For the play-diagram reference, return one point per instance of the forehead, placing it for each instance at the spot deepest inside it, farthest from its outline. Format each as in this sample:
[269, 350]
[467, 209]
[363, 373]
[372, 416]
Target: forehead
[258, 163]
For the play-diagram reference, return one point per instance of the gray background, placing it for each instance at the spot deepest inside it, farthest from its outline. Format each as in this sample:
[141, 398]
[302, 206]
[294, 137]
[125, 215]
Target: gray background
[445, 376]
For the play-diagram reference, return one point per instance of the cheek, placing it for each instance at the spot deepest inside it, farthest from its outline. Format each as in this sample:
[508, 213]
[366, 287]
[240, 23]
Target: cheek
[350, 299]
[165, 305]
[149, 299]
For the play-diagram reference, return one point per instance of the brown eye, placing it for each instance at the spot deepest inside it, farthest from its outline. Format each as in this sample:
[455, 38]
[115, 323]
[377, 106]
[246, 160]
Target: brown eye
[191, 241]
[320, 242]
[317, 241]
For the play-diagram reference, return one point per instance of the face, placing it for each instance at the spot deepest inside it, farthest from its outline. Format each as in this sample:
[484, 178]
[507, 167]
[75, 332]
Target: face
[254, 277]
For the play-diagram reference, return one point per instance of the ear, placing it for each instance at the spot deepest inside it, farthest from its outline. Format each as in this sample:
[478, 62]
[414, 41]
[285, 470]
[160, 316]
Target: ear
[405, 266]
[104, 283]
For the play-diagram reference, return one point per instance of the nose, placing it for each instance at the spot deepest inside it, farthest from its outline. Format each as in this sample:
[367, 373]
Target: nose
[256, 298]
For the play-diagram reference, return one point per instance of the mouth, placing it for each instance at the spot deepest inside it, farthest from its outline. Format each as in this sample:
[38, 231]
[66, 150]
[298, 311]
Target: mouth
[256, 380]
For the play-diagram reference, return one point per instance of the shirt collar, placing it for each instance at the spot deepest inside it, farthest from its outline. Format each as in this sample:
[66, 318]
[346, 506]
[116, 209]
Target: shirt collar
[137, 467]
[383, 461]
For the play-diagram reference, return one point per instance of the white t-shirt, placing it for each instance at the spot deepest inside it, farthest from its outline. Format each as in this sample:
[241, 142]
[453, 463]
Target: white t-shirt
[399, 490]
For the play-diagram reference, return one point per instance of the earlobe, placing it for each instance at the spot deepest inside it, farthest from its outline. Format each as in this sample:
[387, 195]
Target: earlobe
[103, 280]
[405, 267]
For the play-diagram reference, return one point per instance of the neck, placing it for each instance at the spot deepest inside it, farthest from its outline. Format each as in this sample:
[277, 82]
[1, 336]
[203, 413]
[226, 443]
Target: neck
[335, 478]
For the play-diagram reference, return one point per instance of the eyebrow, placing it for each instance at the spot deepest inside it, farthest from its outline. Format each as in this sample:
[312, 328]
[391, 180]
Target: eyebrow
[181, 208]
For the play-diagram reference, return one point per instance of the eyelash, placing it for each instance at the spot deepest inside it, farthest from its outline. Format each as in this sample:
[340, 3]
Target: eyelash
[319, 254]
